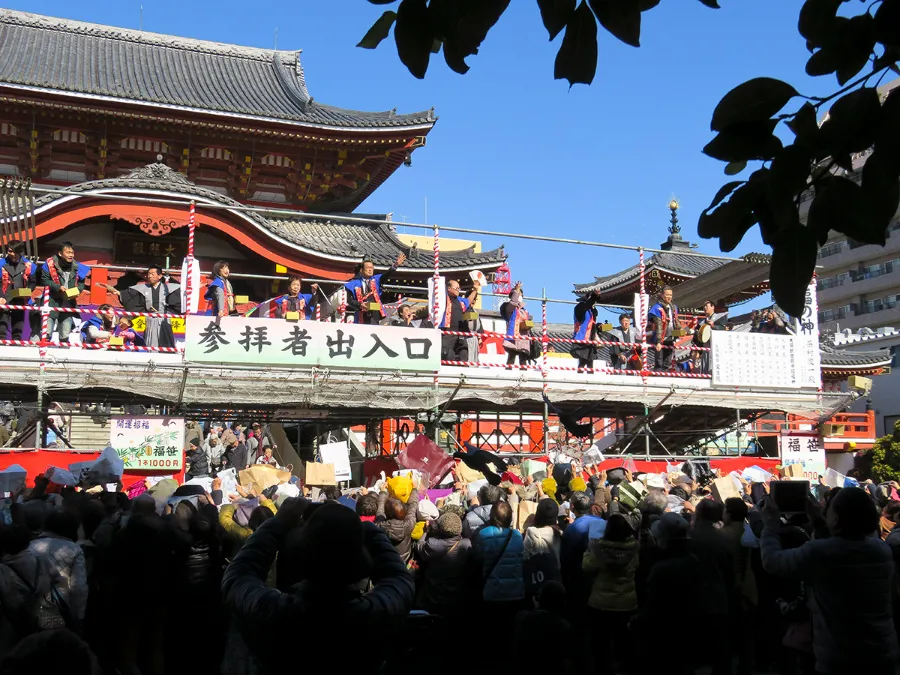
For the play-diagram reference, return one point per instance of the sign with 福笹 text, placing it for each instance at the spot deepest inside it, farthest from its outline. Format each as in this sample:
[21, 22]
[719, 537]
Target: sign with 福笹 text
[276, 342]
[148, 442]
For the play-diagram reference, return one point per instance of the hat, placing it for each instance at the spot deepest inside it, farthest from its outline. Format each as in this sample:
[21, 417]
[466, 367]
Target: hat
[656, 481]
[669, 526]
[400, 487]
[448, 525]
[243, 511]
[331, 546]
[577, 484]
[418, 531]
[194, 443]
[228, 438]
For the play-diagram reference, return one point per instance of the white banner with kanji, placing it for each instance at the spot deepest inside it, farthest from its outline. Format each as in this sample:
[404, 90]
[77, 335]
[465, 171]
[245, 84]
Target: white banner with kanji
[277, 342]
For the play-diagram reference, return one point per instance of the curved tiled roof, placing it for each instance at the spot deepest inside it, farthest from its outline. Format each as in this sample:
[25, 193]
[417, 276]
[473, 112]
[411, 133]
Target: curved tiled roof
[72, 57]
[347, 240]
[685, 265]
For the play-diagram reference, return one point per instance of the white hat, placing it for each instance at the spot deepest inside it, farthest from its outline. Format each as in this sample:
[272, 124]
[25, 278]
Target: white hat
[656, 481]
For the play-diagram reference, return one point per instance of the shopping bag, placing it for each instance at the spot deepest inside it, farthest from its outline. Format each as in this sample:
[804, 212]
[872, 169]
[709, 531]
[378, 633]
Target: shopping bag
[320, 474]
[427, 457]
[527, 509]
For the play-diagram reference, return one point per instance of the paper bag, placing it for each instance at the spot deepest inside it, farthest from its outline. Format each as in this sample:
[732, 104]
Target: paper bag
[526, 510]
[792, 471]
[755, 474]
[723, 488]
[263, 477]
[467, 475]
[427, 457]
[835, 479]
[320, 474]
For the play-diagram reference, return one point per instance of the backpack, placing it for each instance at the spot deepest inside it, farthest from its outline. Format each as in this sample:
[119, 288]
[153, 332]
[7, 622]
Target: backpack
[538, 570]
[41, 611]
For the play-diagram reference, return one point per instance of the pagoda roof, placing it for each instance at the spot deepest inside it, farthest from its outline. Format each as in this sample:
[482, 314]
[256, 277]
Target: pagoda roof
[87, 60]
[327, 236]
[687, 266]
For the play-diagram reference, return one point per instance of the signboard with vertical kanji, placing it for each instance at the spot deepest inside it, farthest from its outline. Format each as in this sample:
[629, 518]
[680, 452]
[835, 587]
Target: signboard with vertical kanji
[148, 442]
[798, 447]
[277, 342]
[809, 368]
[753, 360]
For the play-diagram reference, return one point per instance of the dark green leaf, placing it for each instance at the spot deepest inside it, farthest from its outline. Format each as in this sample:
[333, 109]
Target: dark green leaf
[382, 2]
[713, 4]
[856, 40]
[840, 205]
[734, 168]
[622, 18]
[790, 170]
[576, 60]
[816, 17]
[436, 46]
[556, 14]
[851, 124]
[788, 177]
[475, 19]
[413, 36]
[888, 135]
[378, 31]
[806, 127]
[745, 141]
[881, 189]
[724, 191]
[887, 23]
[752, 101]
[647, 5]
[888, 59]
[823, 62]
[793, 264]
[730, 221]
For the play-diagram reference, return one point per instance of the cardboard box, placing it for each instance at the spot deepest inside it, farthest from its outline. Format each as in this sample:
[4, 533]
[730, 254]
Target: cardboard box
[22, 293]
[72, 292]
[241, 299]
[373, 306]
[116, 341]
[723, 488]
[292, 316]
[470, 316]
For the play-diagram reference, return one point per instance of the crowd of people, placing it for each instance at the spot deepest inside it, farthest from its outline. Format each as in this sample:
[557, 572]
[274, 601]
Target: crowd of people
[365, 294]
[556, 567]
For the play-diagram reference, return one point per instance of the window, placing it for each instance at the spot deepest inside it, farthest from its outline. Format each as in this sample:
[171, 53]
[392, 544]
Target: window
[832, 282]
[833, 248]
[833, 314]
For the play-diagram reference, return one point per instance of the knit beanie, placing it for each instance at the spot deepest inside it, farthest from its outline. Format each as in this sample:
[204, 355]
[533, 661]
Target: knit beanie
[448, 525]
[457, 509]
[577, 484]
[549, 485]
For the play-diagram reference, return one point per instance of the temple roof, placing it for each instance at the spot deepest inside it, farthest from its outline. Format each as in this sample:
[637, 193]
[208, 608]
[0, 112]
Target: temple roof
[674, 263]
[328, 236]
[91, 60]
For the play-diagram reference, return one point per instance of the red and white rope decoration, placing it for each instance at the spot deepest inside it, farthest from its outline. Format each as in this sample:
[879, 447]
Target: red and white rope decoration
[574, 369]
[568, 341]
[114, 311]
[643, 317]
[544, 343]
[93, 346]
[192, 223]
[436, 279]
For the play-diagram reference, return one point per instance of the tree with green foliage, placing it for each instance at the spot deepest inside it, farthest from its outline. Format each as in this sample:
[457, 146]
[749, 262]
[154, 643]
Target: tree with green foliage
[817, 164]
[885, 457]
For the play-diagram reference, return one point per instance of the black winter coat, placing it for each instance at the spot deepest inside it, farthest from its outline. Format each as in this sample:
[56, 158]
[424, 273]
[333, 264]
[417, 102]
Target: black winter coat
[272, 621]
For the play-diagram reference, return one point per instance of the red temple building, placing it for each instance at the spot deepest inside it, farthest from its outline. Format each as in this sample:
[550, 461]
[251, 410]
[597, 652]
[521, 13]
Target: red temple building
[100, 110]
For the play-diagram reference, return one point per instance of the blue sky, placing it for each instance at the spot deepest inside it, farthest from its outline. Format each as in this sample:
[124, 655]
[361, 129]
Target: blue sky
[515, 150]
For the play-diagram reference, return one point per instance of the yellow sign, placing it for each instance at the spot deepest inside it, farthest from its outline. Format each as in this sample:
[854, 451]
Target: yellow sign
[139, 324]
